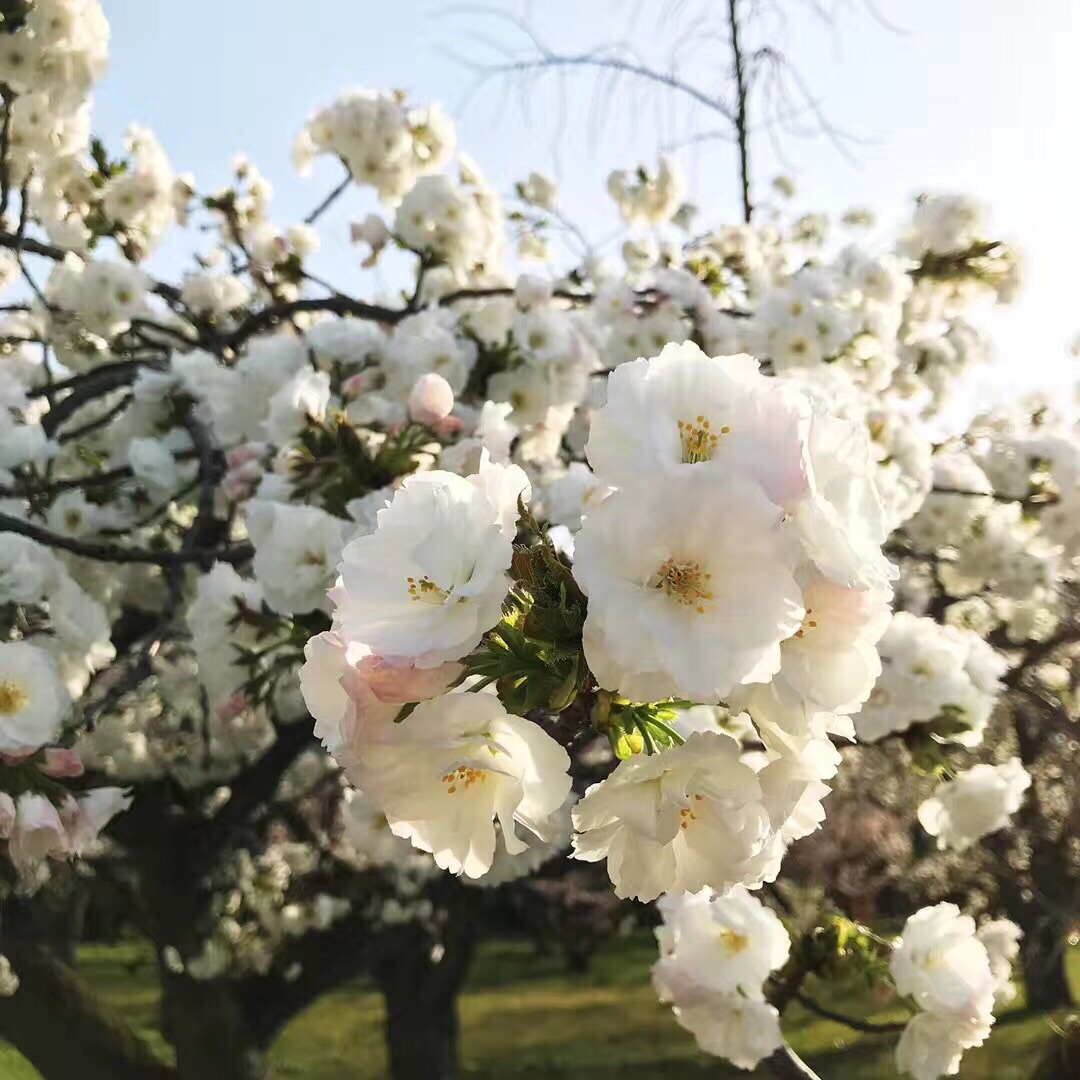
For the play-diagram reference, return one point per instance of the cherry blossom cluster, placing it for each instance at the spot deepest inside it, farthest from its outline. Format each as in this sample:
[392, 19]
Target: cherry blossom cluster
[954, 974]
[716, 953]
[609, 559]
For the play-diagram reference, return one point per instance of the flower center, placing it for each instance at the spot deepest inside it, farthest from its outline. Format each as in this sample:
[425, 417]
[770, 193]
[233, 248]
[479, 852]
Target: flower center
[427, 591]
[807, 624]
[463, 776]
[12, 697]
[686, 814]
[684, 581]
[733, 942]
[698, 442]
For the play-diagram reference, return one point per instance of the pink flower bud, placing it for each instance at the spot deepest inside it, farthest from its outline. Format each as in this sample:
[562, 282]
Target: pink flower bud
[431, 399]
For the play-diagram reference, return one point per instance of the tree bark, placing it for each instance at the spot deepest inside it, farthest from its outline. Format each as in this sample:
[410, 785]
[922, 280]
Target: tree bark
[1042, 958]
[63, 1031]
[420, 975]
[206, 1024]
[421, 1031]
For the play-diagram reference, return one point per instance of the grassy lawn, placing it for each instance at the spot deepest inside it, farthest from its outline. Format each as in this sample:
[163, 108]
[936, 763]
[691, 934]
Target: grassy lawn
[522, 1016]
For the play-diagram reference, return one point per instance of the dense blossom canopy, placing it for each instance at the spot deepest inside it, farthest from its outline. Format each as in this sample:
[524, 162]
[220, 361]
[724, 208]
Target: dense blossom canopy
[701, 515]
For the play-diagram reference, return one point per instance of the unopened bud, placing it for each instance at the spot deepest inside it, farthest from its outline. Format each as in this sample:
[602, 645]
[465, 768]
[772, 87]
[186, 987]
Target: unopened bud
[431, 399]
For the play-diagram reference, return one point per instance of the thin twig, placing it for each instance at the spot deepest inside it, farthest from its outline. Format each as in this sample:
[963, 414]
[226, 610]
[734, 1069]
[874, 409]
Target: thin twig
[741, 131]
[868, 1027]
[329, 200]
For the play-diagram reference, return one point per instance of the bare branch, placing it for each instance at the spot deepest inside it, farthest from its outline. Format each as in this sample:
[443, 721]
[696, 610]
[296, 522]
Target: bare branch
[329, 200]
[740, 109]
[112, 554]
[868, 1027]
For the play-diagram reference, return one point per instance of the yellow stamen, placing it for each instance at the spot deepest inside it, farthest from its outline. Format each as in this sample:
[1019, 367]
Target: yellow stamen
[12, 697]
[808, 624]
[698, 441]
[683, 581]
[463, 776]
[735, 942]
[426, 590]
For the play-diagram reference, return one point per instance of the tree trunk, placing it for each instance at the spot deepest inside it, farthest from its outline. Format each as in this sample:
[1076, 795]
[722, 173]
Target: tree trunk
[420, 975]
[421, 1032]
[1042, 958]
[205, 1023]
[63, 1031]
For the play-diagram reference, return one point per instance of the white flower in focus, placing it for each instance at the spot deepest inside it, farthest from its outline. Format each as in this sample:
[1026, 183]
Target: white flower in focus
[691, 588]
[32, 698]
[683, 413]
[432, 577]
[679, 821]
[456, 764]
[830, 664]
[352, 693]
[725, 944]
[940, 962]
[931, 671]
[842, 524]
[975, 803]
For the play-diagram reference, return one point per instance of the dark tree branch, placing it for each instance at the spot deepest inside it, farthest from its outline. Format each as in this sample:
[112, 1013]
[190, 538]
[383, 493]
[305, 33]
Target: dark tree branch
[868, 1027]
[329, 200]
[335, 305]
[258, 783]
[62, 1028]
[740, 119]
[111, 554]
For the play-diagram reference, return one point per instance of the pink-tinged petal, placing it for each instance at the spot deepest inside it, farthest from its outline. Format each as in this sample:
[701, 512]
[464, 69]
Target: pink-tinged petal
[364, 713]
[60, 763]
[400, 684]
[14, 757]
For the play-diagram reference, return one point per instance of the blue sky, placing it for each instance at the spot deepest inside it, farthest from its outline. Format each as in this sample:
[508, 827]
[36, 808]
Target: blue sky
[975, 95]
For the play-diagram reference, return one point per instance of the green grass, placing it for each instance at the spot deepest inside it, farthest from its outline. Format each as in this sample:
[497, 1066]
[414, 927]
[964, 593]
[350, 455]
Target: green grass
[524, 1017]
